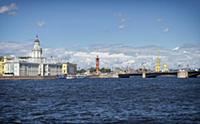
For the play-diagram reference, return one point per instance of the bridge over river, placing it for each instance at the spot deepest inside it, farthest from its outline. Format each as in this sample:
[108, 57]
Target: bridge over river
[179, 74]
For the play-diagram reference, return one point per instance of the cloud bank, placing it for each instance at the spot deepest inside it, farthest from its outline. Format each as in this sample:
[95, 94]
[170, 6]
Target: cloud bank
[115, 55]
[9, 9]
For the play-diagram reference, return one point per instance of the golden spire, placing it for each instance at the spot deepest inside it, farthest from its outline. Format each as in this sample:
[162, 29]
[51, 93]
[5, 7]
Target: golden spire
[157, 66]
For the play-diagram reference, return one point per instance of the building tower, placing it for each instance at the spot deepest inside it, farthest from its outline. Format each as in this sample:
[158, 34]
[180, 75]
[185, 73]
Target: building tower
[37, 51]
[97, 65]
[157, 66]
[165, 68]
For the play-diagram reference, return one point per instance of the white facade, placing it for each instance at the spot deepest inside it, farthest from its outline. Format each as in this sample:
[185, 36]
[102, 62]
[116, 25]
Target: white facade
[37, 51]
[29, 69]
[21, 69]
[34, 65]
[9, 68]
[32, 69]
[50, 69]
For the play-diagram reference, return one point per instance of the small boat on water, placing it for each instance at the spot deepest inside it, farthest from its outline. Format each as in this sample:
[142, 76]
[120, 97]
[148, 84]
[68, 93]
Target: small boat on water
[81, 76]
[75, 76]
[71, 77]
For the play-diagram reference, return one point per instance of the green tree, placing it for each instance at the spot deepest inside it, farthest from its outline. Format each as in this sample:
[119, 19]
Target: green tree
[105, 70]
[81, 71]
[92, 70]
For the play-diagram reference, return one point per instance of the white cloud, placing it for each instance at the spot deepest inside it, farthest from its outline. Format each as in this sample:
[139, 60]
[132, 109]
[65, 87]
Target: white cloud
[41, 23]
[122, 21]
[9, 9]
[122, 26]
[163, 24]
[159, 19]
[185, 52]
[176, 48]
[114, 56]
[166, 30]
[19, 49]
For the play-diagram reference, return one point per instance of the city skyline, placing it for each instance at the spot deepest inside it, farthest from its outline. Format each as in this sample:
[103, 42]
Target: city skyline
[84, 23]
[114, 56]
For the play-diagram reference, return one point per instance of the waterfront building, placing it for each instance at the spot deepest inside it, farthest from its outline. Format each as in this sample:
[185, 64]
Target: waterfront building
[37, 51]
[8, 69]
[17, 68]
[50, 69]
[165, 68]
[2, 62]
[182, 74]
[36, 65]
[69, 68]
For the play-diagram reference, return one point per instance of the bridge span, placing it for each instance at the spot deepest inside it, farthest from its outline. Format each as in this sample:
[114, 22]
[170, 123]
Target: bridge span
[190, 74]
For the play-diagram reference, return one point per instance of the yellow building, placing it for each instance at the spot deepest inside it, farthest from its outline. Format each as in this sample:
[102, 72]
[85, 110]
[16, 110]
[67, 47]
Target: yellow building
[165, 68]
[157, 67]
[2, 63]
[69, 69]
[1, 66]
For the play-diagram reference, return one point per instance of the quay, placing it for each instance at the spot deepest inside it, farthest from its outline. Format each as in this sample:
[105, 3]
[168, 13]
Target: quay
[28, 77]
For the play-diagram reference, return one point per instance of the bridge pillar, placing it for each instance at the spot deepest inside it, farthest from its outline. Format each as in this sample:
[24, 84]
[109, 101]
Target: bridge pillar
[182, 74]
[143, 74]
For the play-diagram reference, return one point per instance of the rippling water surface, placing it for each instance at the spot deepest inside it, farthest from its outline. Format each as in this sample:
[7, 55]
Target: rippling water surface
[134, 100]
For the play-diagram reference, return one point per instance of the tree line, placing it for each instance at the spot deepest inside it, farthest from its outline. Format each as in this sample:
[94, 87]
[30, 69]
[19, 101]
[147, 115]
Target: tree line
[93, 70]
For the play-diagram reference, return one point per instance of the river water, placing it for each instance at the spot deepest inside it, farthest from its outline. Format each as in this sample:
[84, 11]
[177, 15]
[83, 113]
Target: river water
[134, 100]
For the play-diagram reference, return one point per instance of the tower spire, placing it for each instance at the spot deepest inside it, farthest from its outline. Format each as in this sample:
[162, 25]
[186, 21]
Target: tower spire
[157, 67]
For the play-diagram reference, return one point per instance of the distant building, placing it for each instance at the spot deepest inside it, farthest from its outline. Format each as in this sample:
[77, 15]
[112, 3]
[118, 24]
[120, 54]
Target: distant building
[165, 68]
[35, 65]
[182, 74]
[50, 69]
[157, 66]
[9, 69]
[37, 51]
[69, 68]
[2, 62]
[21, 69]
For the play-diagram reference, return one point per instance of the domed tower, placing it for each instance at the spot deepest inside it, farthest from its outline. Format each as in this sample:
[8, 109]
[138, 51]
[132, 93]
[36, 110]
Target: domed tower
[37, 51]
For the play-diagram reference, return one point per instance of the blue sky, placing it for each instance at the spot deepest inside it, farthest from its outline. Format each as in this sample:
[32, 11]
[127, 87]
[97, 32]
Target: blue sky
[66, 23]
